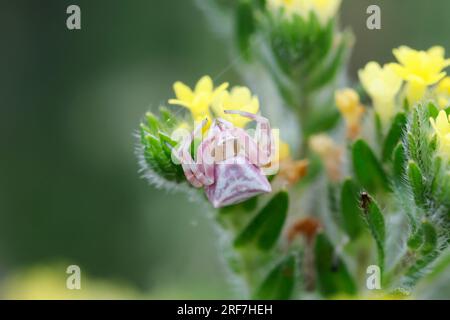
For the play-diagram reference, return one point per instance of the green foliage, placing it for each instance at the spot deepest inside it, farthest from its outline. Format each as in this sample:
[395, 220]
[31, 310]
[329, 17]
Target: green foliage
[322, 120]
[245, 26]
[334, 277]
[280, 282]
[417, 183]
[156, 148]
[330, 69]
[430, 238]
[367, 168]
[429, 176]
[428, 182]
[375, 222]
[266, 227]
[399, 164]
[304, 49]
[350, 209]
[394, 135]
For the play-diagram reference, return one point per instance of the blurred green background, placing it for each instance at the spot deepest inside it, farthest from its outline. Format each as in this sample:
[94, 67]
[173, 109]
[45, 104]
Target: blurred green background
[70, 191]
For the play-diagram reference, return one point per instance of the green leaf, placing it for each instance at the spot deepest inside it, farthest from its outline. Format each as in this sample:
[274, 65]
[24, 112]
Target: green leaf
[168, 120]
[378, 127]
[432, 110]
[394, 135]
[246, 206]
[333, 276]
[157, 148]
[152, 122]
[418, 145]
[367, 169]
[417, 184]
[430, 237]
[245, 26]
[323, 120]
[328, 73]
[447, 111]
[416, 239]
[418, 270]
[280, 282]
[266, 227]
[375, 222]
[399, 169]
[322, 48]
[166, 143]
[350, 209]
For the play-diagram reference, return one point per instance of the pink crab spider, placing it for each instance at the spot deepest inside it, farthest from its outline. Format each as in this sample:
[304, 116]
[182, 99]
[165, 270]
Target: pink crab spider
[229, 161]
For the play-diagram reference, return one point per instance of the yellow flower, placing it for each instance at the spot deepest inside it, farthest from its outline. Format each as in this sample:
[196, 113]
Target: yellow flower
[382, 84]
[347, 101]
[443, 92]
[198, 100]
[324, 9]
[420, 69]
[442, 128]
[239, 98]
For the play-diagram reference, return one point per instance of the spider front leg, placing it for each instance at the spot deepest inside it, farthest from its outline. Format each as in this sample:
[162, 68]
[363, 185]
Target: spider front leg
[262, 149]
[192, 170]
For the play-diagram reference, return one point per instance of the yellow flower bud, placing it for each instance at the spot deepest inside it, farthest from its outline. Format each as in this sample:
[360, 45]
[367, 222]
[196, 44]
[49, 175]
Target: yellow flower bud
[441, 127]
[382, 84]
[347, 101]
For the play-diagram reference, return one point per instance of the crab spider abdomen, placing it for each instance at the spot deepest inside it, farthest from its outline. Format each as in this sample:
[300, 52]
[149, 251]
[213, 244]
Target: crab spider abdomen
[236, 180]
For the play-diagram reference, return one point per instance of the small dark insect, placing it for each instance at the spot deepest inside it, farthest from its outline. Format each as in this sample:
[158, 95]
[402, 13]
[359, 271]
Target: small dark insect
[335, 262]
[365, 201]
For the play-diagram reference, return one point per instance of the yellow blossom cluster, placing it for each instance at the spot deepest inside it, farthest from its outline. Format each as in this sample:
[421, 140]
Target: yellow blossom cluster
[206, 98]
[206, 101]
[418, 69]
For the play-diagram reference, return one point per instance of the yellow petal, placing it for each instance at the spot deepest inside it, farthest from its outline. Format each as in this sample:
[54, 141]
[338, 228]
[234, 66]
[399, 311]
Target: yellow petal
[403, 54]
[241, 95]
[201, 103]
[220, 89]
[180, 103]
[442, 123]
[205, 84]
[183, 92]
[444, 86]
[436, 51]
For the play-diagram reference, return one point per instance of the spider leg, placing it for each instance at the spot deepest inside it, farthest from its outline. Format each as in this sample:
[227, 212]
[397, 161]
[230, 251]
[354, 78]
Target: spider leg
[205, 155]
[193, 170]
[187, 168]
[264, 147]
